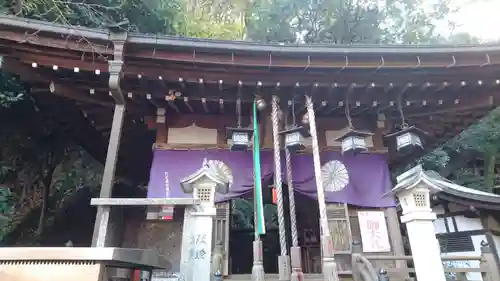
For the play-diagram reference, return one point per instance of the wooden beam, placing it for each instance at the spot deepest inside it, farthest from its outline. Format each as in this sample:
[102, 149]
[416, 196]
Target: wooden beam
[171, 103]
[204, 104]
[221, 106]
[213, 74]
[67, 92]
[15, 40]
[485, 102]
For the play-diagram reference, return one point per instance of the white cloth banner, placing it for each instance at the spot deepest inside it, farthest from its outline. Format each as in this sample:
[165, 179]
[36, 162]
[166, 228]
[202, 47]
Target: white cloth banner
[374, 235]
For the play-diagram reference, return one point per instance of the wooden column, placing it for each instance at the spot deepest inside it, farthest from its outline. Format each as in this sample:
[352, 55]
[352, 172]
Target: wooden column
[393, 227]
[106, 229]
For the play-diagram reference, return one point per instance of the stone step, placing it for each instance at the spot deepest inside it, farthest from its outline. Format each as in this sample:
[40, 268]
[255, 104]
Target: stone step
[274, 277]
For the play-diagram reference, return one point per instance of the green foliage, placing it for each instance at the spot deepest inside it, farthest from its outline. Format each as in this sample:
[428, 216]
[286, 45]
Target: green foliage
[76, 171]
[11, 90]
[347, 21]
[6, 201]
[271, 21]
[227, 25]
[321, 21]
[242, 214]
[144, 16]
[483, 136]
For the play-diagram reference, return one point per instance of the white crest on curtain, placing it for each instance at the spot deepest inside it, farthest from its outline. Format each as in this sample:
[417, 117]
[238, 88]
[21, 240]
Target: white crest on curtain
[221, 169]
[335, 176]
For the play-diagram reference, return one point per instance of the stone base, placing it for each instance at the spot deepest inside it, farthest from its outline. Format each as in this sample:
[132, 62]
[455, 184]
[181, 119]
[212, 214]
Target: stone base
[274, 277]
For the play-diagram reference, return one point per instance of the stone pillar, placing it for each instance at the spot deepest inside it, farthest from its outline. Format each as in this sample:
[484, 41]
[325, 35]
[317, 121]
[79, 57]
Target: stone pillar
[413, 191]
[199, 244]
[196, 252]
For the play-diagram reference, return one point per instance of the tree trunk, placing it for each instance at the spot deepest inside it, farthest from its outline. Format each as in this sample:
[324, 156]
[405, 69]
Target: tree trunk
[47, 181]
[489, 169]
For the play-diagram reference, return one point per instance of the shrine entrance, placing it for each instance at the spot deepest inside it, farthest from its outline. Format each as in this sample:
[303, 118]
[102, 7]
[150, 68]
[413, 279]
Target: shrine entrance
[241, 232]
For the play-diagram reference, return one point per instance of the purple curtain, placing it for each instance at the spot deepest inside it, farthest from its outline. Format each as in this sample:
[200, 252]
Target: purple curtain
[368, 175]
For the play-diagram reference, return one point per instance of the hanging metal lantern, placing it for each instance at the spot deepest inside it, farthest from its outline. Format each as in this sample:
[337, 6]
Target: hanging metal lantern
[407, 140]
[294, 138]
[261, 103]
[240, 138]
[354, 141]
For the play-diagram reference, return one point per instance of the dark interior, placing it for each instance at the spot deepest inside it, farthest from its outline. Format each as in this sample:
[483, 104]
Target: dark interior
[242, 236]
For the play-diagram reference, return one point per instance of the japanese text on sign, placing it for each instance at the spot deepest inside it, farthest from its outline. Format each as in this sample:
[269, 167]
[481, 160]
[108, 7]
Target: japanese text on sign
[374, 235]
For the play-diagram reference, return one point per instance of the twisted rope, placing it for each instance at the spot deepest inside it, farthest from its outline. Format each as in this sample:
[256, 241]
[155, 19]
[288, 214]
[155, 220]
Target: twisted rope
[317, 168]
[277, 175]
[291, 198]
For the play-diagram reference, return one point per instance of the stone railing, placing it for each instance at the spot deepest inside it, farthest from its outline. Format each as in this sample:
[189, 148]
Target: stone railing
[363, 269]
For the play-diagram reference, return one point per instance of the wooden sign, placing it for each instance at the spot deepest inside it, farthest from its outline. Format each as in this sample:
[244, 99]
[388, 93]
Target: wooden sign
[162, 275]
[374, 235]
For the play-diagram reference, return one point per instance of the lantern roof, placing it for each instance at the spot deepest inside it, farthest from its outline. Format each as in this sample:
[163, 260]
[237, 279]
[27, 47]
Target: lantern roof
[354, 133]
[410, 129]
[294, 128]
[423, 135]
[445, 188]
[206, 171]
[231, 130]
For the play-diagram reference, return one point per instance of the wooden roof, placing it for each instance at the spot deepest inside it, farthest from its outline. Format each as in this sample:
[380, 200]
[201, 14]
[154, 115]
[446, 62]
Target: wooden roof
[441, 89]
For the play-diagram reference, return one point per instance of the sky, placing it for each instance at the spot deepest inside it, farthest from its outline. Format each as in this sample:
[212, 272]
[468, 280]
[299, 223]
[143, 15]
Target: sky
[479, 18]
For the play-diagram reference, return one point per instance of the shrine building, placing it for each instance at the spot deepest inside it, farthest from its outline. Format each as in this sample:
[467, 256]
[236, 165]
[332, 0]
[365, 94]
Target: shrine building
[160, 111]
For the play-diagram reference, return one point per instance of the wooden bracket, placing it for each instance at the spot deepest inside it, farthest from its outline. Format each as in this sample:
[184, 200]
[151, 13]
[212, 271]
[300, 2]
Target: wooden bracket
[115, 67]
[161, 126]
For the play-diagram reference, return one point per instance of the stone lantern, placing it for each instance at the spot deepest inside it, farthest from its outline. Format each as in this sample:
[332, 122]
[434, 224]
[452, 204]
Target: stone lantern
[414, 189]
[196, 252]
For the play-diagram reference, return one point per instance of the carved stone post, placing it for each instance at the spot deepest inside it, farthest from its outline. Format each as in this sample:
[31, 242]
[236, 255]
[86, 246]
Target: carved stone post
[101, 236]
[413, 190]
[330, 272]
[283, 259]
[196, 251]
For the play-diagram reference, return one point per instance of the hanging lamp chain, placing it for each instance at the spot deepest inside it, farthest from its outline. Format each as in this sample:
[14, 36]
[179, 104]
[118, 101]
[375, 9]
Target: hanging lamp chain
[238, 111]
[400, 109]
[347, 108]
